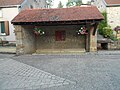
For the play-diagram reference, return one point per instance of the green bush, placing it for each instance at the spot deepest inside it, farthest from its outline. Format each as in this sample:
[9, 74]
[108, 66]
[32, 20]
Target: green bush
[107, 32]
[105, 29]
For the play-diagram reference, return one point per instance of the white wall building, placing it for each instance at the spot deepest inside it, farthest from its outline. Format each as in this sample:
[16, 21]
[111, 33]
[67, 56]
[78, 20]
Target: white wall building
[9, 9]
[112, 8]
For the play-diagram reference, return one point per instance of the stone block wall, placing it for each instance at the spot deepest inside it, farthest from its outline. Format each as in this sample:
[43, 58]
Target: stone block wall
[113, 16]
[93, 40]
[27, 43]
[25, 40]
[72, 40]
[118, 34]
[115, 45]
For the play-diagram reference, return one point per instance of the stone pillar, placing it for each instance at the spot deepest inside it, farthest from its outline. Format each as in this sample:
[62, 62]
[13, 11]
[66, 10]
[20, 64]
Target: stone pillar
[25, 40]
[93, 40]
[19, 40]
[87, 43]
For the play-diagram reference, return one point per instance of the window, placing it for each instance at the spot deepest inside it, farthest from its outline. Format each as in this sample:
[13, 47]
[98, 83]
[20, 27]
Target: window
[60, 35]
[4, 28]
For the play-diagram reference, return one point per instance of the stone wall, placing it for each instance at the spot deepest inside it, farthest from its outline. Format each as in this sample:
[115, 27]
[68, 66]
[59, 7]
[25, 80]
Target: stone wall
[115, 45]
[27, 43]
[25, 40]
[33, 4]
[113, 16]
[72, 40]
[100, 4]
[118, 34]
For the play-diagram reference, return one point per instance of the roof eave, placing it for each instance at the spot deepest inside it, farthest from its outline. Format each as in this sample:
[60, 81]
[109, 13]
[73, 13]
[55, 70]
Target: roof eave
[57, 22]
[113, 5]
[7, 6]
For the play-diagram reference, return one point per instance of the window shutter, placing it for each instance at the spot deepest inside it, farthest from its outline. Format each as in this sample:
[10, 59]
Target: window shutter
[2, 27]
[60, 35]
[7, 27]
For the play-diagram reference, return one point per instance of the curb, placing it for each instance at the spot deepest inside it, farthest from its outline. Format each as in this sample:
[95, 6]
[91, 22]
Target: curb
[7, 52]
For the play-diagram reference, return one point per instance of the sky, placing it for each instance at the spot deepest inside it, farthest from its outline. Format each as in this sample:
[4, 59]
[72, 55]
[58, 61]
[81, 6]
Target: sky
[64, 2]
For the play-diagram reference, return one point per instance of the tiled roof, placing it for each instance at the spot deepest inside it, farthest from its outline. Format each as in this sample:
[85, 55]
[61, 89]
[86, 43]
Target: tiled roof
[10, 2]
[63, 14]
[110, 2]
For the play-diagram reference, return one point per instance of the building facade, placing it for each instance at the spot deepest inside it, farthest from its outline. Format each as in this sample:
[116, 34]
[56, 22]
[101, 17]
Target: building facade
[112, 8]
[57, 30]
[9, 9]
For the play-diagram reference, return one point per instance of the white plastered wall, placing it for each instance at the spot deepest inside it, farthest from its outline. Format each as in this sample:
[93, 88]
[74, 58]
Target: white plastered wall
[7, 15]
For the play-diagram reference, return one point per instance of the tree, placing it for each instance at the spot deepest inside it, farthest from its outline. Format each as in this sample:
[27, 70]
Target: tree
[49, 3]
[60, 5]
[105, 29]
[78, 2]
[103, 24]
[74, 3]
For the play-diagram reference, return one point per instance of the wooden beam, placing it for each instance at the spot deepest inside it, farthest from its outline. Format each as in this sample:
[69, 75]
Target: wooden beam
[95, 28]
[52, 23]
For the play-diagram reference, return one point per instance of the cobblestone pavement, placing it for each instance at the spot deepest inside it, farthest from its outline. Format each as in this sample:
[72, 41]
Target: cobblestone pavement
[15, 75]
[91, 71]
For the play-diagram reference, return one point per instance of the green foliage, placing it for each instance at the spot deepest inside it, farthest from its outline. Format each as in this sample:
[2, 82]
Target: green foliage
[78, 2]
[74, 3]
[107, 32]
[103, 24]
[38, 31]
[105, 29]
[114, 38]
[60, 5]
[49, 3]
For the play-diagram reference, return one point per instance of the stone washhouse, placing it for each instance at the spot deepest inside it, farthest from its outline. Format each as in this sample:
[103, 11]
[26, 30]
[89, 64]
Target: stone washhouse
[57, 30]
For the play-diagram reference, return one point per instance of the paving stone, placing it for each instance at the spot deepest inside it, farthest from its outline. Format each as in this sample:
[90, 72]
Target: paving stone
[22, 76]
[90, 71]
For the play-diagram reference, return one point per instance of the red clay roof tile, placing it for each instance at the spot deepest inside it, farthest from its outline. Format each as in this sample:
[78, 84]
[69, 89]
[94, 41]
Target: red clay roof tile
[109, 2]
[64, 14]
[10, 2]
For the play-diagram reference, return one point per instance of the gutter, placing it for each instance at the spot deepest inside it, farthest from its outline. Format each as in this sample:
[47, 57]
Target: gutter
[7, 6]
[113, 5]
[110, 5]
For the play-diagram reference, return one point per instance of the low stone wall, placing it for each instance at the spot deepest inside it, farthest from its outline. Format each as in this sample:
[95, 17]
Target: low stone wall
[115, 45]
[118, 35]
[109, 46]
